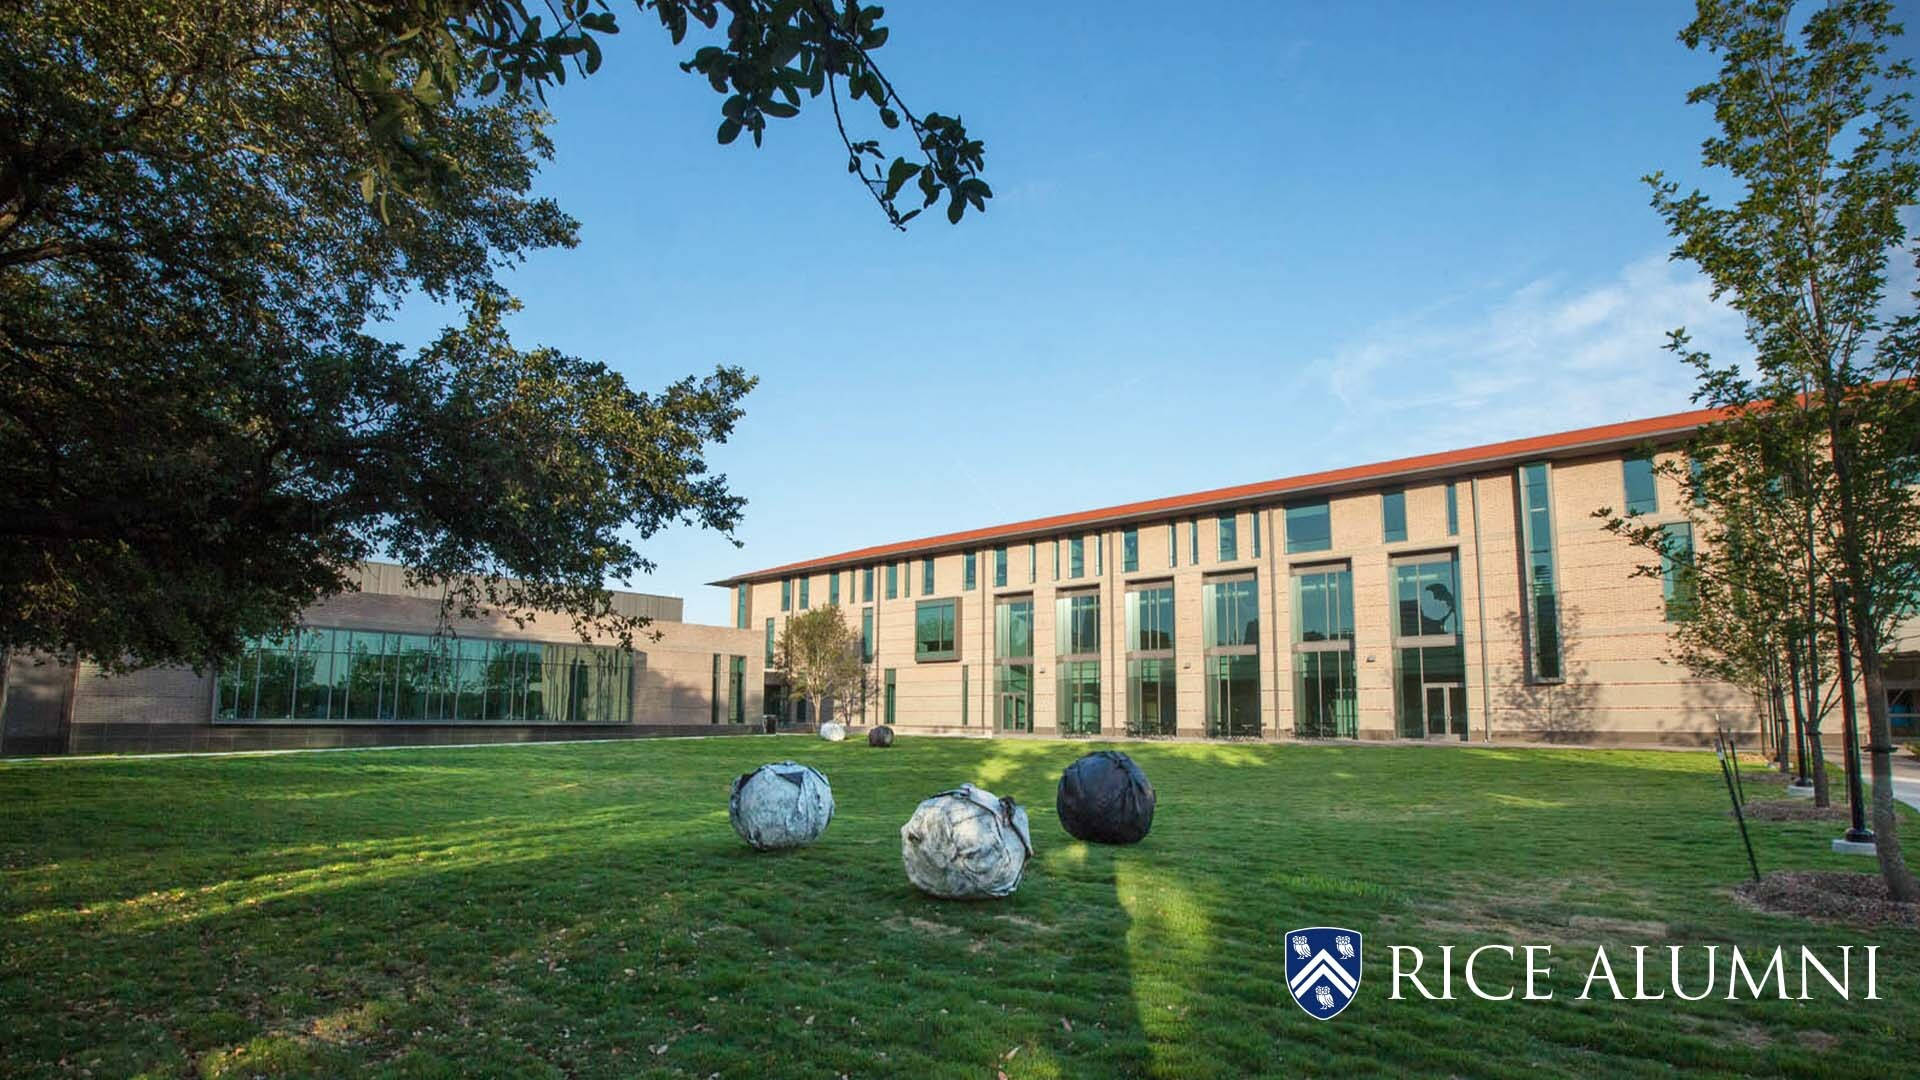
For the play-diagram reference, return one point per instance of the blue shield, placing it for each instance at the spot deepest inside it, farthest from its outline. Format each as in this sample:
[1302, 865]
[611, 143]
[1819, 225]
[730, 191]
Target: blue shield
[1323, 968]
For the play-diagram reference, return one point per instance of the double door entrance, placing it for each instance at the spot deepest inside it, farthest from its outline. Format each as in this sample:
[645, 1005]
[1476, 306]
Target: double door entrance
[1444, 707]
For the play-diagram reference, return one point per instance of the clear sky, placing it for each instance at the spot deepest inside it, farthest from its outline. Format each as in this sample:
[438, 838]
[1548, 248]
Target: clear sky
[1263, 240]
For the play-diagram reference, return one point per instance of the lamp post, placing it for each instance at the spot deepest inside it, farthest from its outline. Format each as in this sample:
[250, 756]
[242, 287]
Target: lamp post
[1859, 833]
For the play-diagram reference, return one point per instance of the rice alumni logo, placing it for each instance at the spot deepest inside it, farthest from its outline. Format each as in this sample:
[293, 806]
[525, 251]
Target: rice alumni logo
[1323, 968]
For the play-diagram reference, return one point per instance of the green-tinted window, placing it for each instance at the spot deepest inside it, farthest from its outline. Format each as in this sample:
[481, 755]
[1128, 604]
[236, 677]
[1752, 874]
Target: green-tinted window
[833, 588]
[1230, 612]
[967, 581]
[934, 630]
[1536, 518]
[866, 585]
[1309, 528]
[926, 577]
[1130, 551]
[1323, 605]
[1426, 597]
[1393, 516]
[1150, 697]
[1254, 521]
[999, 568]
[1193, 542]
[1013, 668]
[1056, 560]
[1694, 469]
[1033, 562]
[1150, 619]
[740, 608]
[737, 690]
[1430, 691]
[786, 595]
[966, 697]
[1076, 558]
[806, 601]
[714, 697]
[1325, 704]
[1079, 697]
[769, 642]
[1076, 618]
[893, 581]
[1453, 509]
[1100, 555]
[1173, 544]
[1637, 476]
[866, 634]
[1013, 629]
[1230, 617]
[1233, 697]
[891, 696]
[1016, 696]
[1228, 525]
[1678, 585]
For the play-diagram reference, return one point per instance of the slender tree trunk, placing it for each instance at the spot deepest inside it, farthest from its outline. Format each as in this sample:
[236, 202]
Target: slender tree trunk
[1799, 714]
[1779, 720]
[1816, 753]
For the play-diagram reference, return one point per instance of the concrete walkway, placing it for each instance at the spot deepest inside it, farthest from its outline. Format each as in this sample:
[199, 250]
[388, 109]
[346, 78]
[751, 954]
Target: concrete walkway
[1906, 779]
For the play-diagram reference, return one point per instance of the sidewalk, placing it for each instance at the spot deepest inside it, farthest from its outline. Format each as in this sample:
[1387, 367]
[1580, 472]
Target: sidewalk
[1906, 779]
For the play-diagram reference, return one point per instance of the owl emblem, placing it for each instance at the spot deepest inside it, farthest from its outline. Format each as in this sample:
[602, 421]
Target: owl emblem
[1344, 946]
[1323, 968]
[1300, 946]
[1323, 995]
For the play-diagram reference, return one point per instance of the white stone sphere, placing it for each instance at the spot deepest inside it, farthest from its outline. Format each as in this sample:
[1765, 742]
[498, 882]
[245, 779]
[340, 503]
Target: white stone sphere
[833, 732]
[781, 805]
[966, 844]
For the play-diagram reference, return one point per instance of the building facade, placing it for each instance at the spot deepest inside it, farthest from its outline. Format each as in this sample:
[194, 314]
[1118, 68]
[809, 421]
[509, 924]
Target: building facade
[381, 666]
[1464, 595]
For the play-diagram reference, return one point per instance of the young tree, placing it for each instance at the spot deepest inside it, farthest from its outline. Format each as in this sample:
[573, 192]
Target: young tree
[819, 656]
[1815, 130]
[206, 211]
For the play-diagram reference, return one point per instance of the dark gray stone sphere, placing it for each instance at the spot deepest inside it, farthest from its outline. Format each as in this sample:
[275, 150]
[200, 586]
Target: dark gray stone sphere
[1104, 798]
[880, 736]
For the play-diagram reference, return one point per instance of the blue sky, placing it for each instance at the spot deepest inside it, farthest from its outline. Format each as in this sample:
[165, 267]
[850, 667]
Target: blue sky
[1278, 238]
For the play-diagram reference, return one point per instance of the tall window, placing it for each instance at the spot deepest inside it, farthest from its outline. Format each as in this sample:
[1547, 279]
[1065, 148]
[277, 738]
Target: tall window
[1193, 542]
[866, 585]
[1033, 561]
[1453, 509]
[740, 609]
[935, 631]
[893, 580]
[786, 595]
[892, 696]
[1100, 554]
[1636, 475]
[1173, 544]
[1324, 701]
[737, 690]
[1229, 537]
[926, 577]
[1077, 557]
[715, 699]
[1056, 560]
[1309, 527]
[833, 588]
[1230, 608]
[999, 568]
[1543, 600]
[1013, 656]
[866, 634]
[1150, 673]
[321, 675]
[1429, 660]
[1130, 551]
[1254, 520]
[769, 641]
[1077, 656]
[805, 586]
[967, 581]
[1393, 516]
[1676, 569]
[966, 697]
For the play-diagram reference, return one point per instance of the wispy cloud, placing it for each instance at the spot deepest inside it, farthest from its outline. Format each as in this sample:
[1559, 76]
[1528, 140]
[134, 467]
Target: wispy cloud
[1507, 361]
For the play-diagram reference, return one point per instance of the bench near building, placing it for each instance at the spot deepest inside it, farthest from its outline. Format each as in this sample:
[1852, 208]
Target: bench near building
[1461, 595]
[380, 667]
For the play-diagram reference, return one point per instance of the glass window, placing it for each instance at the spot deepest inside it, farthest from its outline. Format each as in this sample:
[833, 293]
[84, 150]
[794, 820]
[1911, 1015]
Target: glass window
[1233, 697]
[1033, 561]
[1150, 619]
[1229, 538]
[1324, 700]
[1309, 527]
[1637, 476]
[1536, 519]
[1173, 544]
[1013, 629]
[1393, 516]
[934, 631]
[806, 587]
[1677, 581]
[714, 700]
[833, 588]
[966, 697]
[926, 577]
[1013, 653]
[1150, 697]
[891, 695]
[1077, 557]
[737, 690]
[1253, 520]
[1079, 697]
[1016, 697]
[1696, 482]
[1100, 554]
[999, 568]
[893, 581]
[769, 642]
[1453, 509]
[967, 581]
[740, 608]
[1427, 597]
[1056, 560]
[1193, 542]
[1130, 551]
[866, 635]
[866, 585]
[1231, 612]
[1077, 624]
[786, 595]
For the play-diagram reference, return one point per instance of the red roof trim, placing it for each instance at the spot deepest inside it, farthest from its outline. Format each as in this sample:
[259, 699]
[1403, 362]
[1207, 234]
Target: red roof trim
[1628, 432]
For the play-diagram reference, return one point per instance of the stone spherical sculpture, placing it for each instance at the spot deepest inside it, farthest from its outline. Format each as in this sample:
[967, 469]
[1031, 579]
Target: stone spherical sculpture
[833, 732]
[966, 844]
[1104, 798]
[880, 736]
[781, 805]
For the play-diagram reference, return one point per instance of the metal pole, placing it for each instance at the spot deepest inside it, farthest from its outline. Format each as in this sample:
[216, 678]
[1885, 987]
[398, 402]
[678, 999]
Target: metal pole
[1739, 815]
[1859, 833]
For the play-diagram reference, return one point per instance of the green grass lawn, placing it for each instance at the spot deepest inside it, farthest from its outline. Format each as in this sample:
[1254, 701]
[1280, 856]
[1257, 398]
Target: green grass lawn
[586, 911]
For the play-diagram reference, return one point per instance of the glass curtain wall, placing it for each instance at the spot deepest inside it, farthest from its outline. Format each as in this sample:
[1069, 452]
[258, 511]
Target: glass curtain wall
[1150, 674]
[1325, 704]
[1430, 666]
[1543, 623]
[1077, 654]
[322, 675]
[1230, 618]
[1013, 653]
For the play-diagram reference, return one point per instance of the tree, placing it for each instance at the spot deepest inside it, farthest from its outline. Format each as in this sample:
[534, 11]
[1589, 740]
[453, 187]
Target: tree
[1817, 135]
[206, 211]
[819, 656]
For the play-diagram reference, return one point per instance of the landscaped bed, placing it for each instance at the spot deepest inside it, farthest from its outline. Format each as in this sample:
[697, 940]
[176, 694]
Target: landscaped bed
[587, 910]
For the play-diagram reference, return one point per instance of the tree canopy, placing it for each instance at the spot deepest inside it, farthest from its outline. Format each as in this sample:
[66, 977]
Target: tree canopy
[206, 211]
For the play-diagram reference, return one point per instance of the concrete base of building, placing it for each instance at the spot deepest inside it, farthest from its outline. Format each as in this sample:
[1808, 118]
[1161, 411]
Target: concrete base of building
[219, 738]
[1845, 846]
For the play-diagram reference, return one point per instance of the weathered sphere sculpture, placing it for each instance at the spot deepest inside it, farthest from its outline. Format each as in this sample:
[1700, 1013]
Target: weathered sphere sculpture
[782, 805]
[880, 736]
[1104, 798]
[833, 732]
[966, 844]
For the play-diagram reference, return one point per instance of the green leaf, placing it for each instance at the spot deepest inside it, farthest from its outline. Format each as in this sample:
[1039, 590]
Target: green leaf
[898, 174]
[729, 130]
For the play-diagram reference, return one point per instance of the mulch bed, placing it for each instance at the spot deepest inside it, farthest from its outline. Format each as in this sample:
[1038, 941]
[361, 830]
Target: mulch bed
[1795, 810]
[1837, 895]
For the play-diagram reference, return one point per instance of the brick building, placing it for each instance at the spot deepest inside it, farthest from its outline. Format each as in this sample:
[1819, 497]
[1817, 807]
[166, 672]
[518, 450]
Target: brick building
[1461, 595]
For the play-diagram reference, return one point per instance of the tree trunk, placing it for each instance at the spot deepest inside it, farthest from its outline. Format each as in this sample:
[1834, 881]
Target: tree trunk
[1816, 753]
[1779, 721]
[1799, 716]
[1886, 837]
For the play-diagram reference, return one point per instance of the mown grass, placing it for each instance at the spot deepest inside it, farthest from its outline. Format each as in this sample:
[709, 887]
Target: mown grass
[586, 911]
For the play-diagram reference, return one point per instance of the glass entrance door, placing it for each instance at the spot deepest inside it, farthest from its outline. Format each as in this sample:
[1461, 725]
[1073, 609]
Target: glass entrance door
[1446, 709]
[1016, 697]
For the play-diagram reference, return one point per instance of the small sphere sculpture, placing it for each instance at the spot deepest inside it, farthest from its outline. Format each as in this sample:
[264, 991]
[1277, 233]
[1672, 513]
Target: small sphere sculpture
[966, 844]
[880, 736]
[781, 805]
[833, 732]
[1104, 798]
